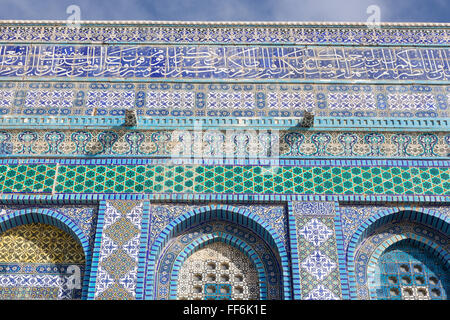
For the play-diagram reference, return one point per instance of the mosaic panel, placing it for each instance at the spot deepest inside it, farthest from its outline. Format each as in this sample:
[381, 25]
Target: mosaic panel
[367, 248]
[318, 258]
[176, 245]
[48, 99]
[28, 178]
[224, 179]
[117, 99]
[218, 272]
[117, 267]
[223, 100]
[39, 261]
[219, 33]
[224, 143]
[224, 62]
[232, 179]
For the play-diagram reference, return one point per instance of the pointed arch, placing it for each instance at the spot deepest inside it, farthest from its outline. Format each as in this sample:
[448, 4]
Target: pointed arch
[229, 213]
[201, 242]
[431, 218]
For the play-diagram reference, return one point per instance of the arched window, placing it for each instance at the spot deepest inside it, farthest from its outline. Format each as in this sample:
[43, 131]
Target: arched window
[400, 254]
[409, 271]
[218, 272]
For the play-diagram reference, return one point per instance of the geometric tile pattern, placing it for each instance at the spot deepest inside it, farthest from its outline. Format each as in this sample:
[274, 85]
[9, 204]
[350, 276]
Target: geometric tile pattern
[28, 178]
[238, 100]
[118, 263]
[52, 286]
[214, 266]
[168, 99]
[219, 100]
[319, 265]
[320, 293]
[224, 179]
[48, 99]
[122, 231]
[117, 268]
[318, 258]
[315, 232]
[117, 99]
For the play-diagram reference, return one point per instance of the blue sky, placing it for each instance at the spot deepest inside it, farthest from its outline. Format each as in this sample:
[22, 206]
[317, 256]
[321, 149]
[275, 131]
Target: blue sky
[229, 10]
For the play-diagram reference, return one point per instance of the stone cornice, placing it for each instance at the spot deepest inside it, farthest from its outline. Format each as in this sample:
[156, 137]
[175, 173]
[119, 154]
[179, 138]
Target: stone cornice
[226, 23]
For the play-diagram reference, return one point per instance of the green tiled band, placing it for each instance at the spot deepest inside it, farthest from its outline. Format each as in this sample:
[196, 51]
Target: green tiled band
[223, 179]
[27, 178]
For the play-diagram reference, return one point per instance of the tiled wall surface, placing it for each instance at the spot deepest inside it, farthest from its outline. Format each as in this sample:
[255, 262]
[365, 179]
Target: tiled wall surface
[222, 100]
[55, 178]
[308, 247]
[220, 160]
